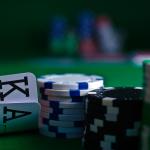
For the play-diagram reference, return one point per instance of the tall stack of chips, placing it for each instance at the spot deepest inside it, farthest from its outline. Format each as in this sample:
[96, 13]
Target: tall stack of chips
[108, 39]
[71, 43]
[113, 119]
[56, 35]
[62, 103]
[146, 107]
[86, 29]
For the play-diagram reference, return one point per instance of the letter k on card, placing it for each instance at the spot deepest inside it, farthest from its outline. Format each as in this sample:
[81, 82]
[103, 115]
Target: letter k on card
[18, 88]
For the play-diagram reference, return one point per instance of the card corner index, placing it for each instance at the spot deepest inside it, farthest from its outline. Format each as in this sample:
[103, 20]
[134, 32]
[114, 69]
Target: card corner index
[23, 84]
[19, 117]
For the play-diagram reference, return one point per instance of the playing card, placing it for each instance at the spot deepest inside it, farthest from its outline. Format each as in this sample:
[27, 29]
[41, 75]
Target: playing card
[18, 116]
[18, 87]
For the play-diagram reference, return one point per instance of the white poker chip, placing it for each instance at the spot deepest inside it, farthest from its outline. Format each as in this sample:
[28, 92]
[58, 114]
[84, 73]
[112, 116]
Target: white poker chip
[62, 104]
[64, 111]
[70, 81]
[44, 122]
[138, 59]
[60, 117]
[65, 93]
[62, 98]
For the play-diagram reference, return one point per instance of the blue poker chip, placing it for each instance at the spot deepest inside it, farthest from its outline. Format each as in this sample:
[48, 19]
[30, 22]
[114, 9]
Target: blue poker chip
[58, 27]
[86, 25]
[70, 82]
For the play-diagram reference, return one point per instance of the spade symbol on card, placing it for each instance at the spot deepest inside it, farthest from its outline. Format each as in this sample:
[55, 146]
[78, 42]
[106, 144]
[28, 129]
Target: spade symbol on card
[18, 88]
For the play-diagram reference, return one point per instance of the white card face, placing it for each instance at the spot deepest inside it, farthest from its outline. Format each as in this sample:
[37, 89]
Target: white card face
[18, 117]
[18, 87]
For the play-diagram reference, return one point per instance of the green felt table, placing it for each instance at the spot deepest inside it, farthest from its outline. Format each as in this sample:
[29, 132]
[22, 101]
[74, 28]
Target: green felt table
[115, 74]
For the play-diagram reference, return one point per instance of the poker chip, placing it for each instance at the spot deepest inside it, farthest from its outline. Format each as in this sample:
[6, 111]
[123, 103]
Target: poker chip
[60, 135]
[60, 123]
[86, 25]
[60, 104]
[109, 40]
[139, 57]
[58, 129]
[62, 117]
[65, 111]
[62, 99]
[70, 82]
[68, 93]
[65, 130]
[145, 138]
[60, 132]
[146, 107]
[113, 118]
[66, 123]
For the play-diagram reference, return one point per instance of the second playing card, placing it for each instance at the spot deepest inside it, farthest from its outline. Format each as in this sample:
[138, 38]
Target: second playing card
[18, 117]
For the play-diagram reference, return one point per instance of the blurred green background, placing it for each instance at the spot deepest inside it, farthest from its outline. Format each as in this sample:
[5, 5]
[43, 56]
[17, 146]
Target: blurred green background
[24, 24]
[24, 27]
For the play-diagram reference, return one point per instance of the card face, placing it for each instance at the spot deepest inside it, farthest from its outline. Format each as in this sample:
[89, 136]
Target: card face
[18, 117]
[18, 87]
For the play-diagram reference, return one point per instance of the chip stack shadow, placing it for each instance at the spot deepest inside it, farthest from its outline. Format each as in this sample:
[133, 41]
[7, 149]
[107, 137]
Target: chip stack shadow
[62, 99]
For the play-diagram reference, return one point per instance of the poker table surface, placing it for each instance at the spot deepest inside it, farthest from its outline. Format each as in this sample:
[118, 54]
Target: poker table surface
[114, 73]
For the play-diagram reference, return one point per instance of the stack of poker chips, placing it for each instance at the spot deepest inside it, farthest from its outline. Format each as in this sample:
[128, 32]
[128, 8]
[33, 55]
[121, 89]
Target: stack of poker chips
[113, 119]
[108, 39]
[87, 44]
[63, 103]
[71, 43]
[146, 107]
[56, 35]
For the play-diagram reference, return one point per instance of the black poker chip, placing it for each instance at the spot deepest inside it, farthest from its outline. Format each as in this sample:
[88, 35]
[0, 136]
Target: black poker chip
[113, 119]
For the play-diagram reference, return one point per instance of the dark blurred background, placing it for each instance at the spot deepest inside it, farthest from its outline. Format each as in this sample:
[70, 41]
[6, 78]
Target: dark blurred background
[24, 25]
